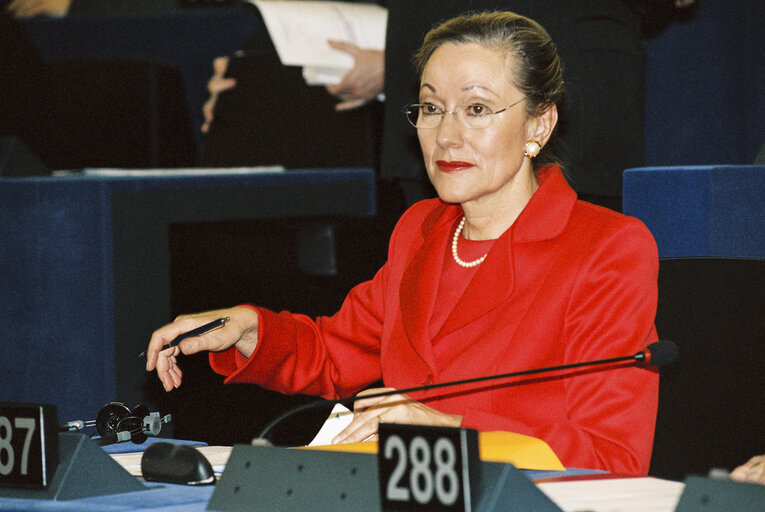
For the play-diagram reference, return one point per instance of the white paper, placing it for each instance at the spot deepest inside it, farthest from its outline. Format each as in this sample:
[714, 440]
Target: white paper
[615, 494]
[338, 419]
[300, 30]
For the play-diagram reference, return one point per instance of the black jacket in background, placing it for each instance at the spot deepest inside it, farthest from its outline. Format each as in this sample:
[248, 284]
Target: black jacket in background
[24, 87]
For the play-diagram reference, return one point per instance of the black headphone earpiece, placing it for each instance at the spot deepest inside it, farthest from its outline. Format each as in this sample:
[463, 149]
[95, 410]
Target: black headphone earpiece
[134, 424]
[109, 417]
[115, 423]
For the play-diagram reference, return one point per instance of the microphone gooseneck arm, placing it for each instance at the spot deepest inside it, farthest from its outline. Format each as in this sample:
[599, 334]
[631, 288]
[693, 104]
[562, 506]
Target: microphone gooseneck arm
[658, 353]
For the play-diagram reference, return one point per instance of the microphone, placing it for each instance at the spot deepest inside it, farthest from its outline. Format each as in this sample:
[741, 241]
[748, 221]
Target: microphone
[658, 353]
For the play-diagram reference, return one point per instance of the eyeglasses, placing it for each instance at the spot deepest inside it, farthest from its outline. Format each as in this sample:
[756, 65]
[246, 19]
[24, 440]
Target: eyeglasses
[427, 116]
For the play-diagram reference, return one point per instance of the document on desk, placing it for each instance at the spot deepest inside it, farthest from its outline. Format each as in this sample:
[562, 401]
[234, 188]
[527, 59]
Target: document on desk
[524, 452]
[300, 30]
[338, 419]
[606, 494]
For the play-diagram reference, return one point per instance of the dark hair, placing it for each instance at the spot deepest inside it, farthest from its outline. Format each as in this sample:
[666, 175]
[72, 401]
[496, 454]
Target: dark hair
[536, 68]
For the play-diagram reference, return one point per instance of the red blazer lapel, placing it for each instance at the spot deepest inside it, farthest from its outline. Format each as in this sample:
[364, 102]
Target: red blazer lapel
[420, 280]
[543, 218]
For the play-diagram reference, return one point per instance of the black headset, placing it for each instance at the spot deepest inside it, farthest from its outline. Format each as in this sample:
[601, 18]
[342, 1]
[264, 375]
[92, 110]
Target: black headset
[116, 422]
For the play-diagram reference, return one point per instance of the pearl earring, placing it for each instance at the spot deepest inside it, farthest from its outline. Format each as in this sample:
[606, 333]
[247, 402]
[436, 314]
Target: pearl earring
[533, 147]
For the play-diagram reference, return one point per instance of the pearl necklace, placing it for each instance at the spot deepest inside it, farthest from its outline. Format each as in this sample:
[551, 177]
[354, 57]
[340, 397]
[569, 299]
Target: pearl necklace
[466, 264]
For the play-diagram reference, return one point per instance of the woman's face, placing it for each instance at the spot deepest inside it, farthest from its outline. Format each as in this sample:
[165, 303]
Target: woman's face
[475, 164]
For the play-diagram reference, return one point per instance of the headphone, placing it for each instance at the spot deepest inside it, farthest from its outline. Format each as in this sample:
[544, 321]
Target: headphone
[115, 423]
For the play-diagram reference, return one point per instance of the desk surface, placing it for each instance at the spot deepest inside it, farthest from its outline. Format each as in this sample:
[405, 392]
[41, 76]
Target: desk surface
[573, 491]
[656, 495]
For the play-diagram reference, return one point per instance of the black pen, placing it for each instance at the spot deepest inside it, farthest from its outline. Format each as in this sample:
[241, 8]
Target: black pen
[194, 332]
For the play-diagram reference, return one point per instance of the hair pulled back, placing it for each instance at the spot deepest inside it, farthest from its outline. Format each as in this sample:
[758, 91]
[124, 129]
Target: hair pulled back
[536, 68]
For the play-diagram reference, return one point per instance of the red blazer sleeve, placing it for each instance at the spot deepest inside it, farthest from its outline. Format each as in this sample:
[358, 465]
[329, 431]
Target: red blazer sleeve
[330, 357]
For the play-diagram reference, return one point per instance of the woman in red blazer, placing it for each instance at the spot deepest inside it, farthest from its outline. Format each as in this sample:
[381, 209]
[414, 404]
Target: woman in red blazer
[506, 271]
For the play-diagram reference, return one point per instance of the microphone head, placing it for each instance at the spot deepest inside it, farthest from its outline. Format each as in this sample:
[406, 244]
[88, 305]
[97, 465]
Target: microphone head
[662, 352]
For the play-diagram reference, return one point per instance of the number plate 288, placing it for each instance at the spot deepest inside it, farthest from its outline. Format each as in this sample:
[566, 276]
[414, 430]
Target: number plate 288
[428, 468]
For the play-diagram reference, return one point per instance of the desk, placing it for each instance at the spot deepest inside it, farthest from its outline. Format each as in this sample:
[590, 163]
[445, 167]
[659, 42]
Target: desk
[85, 270]
[649, 494]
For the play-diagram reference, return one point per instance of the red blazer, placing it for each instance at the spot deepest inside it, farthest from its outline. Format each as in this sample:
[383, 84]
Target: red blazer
[568, 282]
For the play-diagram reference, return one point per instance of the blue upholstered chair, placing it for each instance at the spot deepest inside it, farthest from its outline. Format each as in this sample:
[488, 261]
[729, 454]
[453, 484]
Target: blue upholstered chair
[709, 224]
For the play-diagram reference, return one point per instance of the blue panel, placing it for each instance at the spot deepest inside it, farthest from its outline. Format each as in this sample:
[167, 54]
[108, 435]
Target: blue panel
[737, 225]
[700, 211]
[55, 277]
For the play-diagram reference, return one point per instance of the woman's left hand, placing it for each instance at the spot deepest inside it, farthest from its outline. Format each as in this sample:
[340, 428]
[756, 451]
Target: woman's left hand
[368, 413]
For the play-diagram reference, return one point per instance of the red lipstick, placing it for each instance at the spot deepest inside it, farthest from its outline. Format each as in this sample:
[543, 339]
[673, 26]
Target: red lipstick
[453, 166]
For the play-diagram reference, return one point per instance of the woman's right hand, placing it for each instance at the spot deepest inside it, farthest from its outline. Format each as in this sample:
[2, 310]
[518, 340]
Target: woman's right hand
[241, 332]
